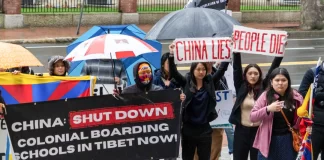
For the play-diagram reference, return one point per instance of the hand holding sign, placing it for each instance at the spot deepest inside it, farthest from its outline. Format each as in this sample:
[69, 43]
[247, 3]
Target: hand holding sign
[255, 41]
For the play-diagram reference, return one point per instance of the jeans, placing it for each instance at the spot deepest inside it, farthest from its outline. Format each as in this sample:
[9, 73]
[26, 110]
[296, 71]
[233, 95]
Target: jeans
[230, 138]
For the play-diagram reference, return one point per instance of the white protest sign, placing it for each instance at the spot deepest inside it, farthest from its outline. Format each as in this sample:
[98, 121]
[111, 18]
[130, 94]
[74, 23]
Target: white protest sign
[188, 50]
[255, 41]
[224, 99]
[105, 89]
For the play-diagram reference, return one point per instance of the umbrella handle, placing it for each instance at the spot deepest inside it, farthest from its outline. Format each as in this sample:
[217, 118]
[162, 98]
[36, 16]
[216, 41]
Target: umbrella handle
[113, 67]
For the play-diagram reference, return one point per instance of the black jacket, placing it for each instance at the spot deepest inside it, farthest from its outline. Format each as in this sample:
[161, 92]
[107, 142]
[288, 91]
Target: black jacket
[241, 88]
[186, 84]
[308, 79]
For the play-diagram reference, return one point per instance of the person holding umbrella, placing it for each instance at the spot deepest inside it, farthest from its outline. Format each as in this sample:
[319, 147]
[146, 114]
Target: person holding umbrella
[162, 76]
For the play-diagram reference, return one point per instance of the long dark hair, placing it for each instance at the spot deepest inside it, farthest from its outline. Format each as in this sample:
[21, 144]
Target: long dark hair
[165, 75]
[257, 86]
[192, 69]
[288, 96]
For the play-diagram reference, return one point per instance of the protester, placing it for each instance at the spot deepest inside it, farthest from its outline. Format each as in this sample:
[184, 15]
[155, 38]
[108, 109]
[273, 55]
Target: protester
[198, 107]
[24, 70]
[142, 72]
[57, 66]
[248, 85]
[274, 138]
[318, 108]
[162, 76]
[107, 71]
[217, 134]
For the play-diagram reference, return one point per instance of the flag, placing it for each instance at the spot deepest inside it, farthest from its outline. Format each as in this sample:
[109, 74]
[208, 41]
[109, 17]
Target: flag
[23, 88]
[305, 112]
[306, 151]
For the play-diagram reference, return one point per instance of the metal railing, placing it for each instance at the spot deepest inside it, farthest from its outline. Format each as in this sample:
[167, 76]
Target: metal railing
[263, 5]
[60, 6]
[160, 5]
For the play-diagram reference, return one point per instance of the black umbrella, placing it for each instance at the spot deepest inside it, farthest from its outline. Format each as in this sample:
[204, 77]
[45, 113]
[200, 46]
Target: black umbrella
[192, 23]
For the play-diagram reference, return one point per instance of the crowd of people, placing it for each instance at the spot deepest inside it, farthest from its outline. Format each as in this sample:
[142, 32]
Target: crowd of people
[265, 107]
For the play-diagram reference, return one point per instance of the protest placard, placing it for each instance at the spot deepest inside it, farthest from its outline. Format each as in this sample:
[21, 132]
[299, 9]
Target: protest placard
[138, 126]
[188, 50]
[25, 88]
[224, 99]
[255, 41]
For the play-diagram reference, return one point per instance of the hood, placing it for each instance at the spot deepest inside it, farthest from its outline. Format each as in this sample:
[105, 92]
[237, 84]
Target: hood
[140, 85]
[53, 60]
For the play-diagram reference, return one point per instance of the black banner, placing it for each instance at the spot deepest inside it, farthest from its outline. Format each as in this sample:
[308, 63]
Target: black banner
[138, 126]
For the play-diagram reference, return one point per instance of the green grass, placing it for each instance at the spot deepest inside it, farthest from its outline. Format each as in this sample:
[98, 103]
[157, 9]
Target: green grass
[141, 9]
[68, 10]
[158, 8]
[270, 8]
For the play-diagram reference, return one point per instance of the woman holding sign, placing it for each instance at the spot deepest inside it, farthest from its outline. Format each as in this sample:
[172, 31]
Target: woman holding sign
[248, 85]
[277, 109]
[198, 106]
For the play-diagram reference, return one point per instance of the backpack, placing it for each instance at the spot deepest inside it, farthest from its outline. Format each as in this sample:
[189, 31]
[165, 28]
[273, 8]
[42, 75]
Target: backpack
[319, 87]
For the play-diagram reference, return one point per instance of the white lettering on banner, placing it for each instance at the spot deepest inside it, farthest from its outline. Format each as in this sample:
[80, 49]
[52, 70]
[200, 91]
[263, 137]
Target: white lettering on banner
[188, 50]
[224, 107]
[119, 115]
[41, 153]
[36, 124]
[255, 41]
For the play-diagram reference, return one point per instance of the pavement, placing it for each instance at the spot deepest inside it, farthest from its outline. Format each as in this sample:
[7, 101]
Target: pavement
[68, 34]
[65, 35]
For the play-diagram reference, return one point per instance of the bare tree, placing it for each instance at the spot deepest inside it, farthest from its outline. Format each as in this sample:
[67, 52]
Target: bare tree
[312, 14]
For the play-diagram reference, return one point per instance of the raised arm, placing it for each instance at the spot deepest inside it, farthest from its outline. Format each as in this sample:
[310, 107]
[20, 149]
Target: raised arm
[237, 71]
[220, 72]
[173, 69]
[275, 64]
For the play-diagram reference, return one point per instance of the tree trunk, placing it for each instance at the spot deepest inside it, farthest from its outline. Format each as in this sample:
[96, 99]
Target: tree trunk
[312, 14]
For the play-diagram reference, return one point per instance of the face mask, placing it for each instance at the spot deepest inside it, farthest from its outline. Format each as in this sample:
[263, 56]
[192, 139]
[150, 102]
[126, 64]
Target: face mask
[144, 73]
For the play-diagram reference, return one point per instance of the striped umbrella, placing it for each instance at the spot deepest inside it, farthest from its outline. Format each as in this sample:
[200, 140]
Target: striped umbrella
[110, 46]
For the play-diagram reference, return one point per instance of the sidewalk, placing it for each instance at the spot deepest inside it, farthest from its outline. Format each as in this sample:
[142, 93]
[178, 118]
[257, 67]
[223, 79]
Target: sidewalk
[68, 34]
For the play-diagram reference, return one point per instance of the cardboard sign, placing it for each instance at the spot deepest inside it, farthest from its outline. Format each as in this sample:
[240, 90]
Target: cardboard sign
[224, 107]
[189, 50]
[255, 41]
